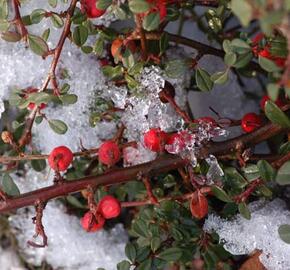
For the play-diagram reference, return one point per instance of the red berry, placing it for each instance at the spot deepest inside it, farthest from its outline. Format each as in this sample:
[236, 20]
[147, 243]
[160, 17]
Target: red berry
[109, 153]
[176, 143]
[265, 98]
[160, 7]
[155, 139]
[104, 62]
[265, 53]
[256, 39]
[90, 223]
[280, 62]
[89, 7]
[60, 158]
[109, 207]
[31, 105]
[250, 122]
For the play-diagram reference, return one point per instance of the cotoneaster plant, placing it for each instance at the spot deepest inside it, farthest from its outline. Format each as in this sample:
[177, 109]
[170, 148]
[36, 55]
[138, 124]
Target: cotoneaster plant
[163, 116]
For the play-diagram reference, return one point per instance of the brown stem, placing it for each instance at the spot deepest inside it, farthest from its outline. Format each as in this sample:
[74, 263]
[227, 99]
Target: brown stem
[150, 194]
[18, 21]
[201, 47]
[250, 189]
[172, 102]
[180, 198]
[140, 30]
[57, 51]
[160, 165]
[39, 229]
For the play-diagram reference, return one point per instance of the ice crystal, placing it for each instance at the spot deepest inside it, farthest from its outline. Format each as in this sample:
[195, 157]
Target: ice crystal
[215, 171]
[242, 236]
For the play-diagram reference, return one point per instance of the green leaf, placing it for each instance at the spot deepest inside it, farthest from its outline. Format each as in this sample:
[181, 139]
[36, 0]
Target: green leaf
[131, 252]
[273, 90]
[243, 10]
[145, 265]
[220, 77]
[57, 21]
[37, 45]
[139, 227]
[244, 210]
[155, 243]
[230, 59]
[266, 171]
[68, 99]
[283, 174]
[203, 80]
[38, 164]
[138, 6]
[11, 36]
[103, 4]
[170, 254]
[220, 194]
[87, 49]
[9, 187]
[275, 115]
[113, 72]
[3, 9]
[268, 64]
[151, 21]
[243, 60]
[37, 15]
[39, 97]
[240, 46]
[80, 35]
[58, 126]
[52, 3]
[284, 233]
[163, 42]
[75, 202]
[227, 46]
[4, 25]
[45, 34]
[123, 265]
[99, 46]
[65, 88]
[175, 68]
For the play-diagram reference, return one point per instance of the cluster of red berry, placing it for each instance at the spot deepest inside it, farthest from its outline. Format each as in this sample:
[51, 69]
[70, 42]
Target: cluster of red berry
[108, 207]
[265, 50]
[61, 157]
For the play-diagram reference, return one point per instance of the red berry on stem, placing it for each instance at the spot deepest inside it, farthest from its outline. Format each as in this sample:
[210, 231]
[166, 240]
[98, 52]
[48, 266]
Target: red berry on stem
[155, 139]
[109, 207]
[89, 7]
[250, 122]
[175, 143]
[90, 223]
[109, 153]
[60, 158]
[265, 98]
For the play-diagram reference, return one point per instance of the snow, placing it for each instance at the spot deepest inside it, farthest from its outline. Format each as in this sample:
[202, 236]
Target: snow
[9, 260]
[242, 236]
